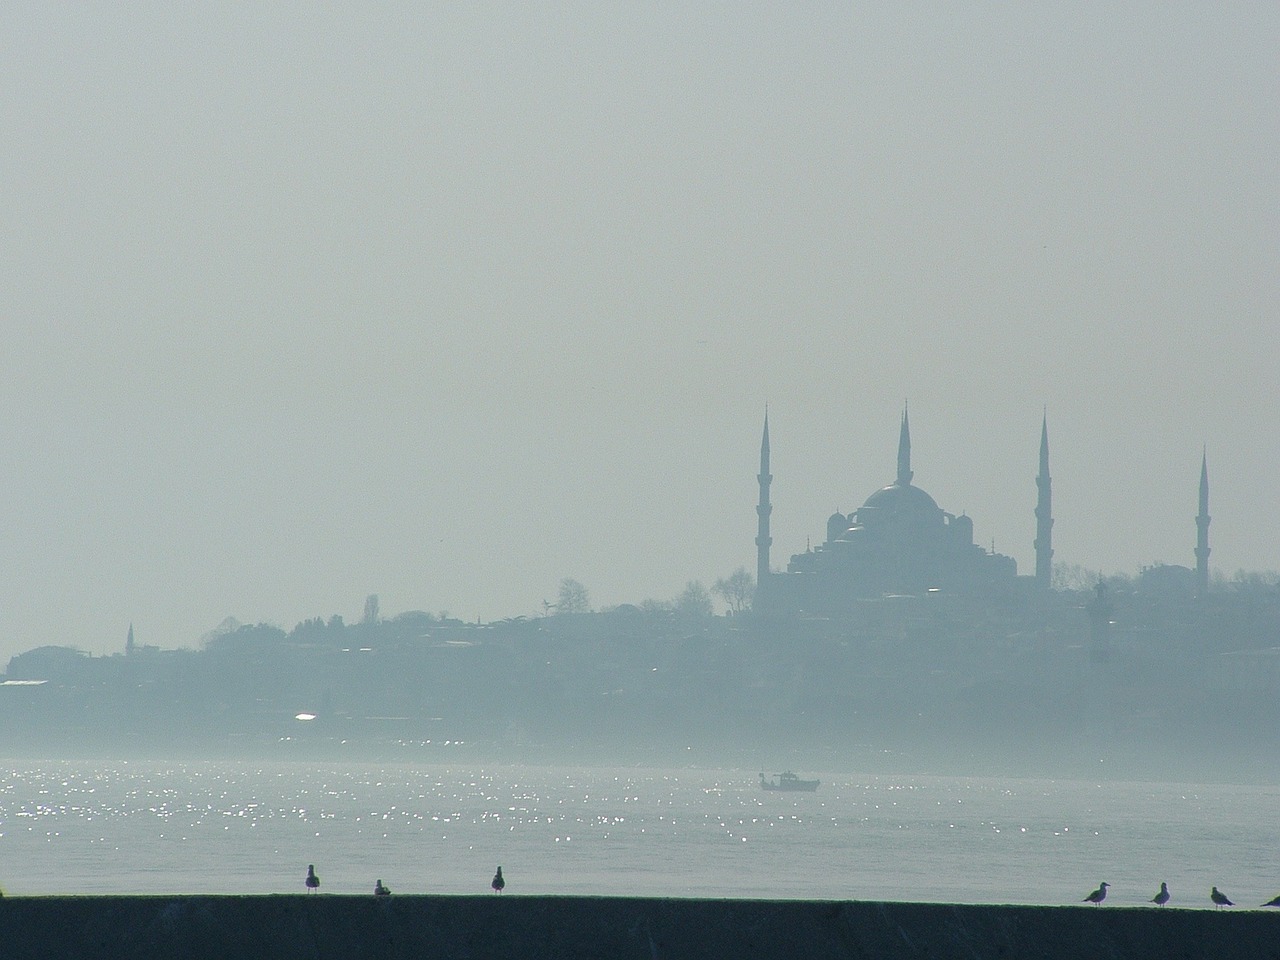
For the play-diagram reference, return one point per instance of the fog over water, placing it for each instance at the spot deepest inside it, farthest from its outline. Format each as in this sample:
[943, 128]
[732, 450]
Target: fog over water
[304, 304]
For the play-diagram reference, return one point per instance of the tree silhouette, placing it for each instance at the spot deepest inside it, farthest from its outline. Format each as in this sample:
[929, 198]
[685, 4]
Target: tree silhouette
[736, 590]
[573, 597]
[694, 601]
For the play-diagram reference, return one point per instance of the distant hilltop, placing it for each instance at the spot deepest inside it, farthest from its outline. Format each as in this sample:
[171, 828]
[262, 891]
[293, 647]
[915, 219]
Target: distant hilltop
[1151, 673]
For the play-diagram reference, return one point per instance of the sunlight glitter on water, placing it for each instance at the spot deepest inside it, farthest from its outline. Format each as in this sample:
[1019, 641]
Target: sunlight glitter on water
[225, 827]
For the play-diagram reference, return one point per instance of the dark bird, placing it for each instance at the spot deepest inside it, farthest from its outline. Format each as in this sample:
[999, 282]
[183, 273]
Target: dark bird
[1161, 898]
[313, 882]
[498, 883]
[1219, 898]
[380, 891]
[1273, 902]
[1098, 895]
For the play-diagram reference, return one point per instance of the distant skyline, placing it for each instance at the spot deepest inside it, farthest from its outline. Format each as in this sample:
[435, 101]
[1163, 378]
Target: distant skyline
[306, 304]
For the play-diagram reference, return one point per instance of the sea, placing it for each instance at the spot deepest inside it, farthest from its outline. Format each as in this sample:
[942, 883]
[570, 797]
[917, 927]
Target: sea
[235, 827]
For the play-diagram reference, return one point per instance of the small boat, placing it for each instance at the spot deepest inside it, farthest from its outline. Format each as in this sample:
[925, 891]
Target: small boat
[788, 781]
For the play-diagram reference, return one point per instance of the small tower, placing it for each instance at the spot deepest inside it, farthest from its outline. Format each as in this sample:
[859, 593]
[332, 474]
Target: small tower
[128, 642]
[763, 509]
[904, 452]
[1202, 529]
[1044, 512]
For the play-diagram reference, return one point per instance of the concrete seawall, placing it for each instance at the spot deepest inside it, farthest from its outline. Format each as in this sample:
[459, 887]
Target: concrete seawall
[515, 928]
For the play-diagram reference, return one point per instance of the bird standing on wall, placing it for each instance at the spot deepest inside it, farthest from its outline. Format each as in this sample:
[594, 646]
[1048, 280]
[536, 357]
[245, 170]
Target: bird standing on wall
[1219, 898]
[380, 891]
[498, 883]
[1161, 898]
[1098, 895]
[313, 882]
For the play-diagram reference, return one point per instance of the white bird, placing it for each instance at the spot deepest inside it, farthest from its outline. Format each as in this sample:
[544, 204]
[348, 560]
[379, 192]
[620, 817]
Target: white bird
[1098, 895]
[1219, 898]
[1161, 898]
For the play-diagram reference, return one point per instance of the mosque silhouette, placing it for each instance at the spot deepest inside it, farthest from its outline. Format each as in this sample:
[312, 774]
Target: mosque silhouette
[901, 543]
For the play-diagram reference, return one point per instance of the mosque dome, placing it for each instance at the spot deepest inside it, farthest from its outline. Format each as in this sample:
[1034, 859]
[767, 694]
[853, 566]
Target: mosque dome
[902, 500]
[837, 526]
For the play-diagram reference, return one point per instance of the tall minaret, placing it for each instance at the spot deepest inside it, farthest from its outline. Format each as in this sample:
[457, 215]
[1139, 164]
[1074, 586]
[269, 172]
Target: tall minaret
[763, 509]
[904, 452]
[1044, 512]
[1202, 530]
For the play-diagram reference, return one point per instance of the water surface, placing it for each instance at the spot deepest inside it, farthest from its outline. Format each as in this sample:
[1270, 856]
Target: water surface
[224, 827]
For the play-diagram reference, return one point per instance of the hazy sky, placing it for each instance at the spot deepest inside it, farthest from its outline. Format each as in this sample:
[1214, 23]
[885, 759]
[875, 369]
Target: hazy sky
[304, 302]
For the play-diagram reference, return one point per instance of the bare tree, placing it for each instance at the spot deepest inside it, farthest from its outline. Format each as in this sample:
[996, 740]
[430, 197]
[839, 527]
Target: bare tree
[736, 590]
[1245, 581]
[573, 597]
[1072, 576]
[694, 601]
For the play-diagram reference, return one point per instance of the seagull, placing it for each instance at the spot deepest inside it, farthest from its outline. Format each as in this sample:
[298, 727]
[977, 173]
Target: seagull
[498, 883]
[381, 891]
[313, 882]
[1098, 895]
[1161, 898]
[1219, 898]
[1273, 902]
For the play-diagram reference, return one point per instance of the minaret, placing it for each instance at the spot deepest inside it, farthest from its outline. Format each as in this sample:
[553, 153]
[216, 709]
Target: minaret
[128, 642]
[1044, 512]
[904, 452]
[1202, 530]
[763, 509]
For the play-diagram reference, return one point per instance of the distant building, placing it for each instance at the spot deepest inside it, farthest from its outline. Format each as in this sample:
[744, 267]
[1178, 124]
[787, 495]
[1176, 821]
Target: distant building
[1167, 581]
[898, 542]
